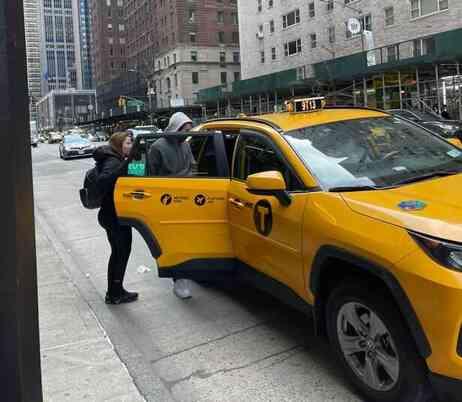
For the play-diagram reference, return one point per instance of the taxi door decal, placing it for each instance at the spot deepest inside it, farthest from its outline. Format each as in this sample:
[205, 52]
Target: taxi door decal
[263, 217]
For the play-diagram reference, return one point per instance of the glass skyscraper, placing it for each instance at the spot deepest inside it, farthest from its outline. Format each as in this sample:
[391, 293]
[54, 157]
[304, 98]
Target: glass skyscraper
[85, 44]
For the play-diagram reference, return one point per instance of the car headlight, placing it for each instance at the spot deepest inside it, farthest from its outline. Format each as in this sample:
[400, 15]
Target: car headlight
[446, 253]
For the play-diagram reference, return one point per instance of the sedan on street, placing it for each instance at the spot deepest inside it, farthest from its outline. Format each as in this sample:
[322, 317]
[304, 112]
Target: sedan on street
[75, 146]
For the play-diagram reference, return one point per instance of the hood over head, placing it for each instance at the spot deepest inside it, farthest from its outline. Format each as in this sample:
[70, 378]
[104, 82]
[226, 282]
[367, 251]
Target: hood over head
[177, 121]
[104, 152]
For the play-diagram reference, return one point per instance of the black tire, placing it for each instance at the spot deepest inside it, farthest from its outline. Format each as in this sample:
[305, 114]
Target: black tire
[412, 383]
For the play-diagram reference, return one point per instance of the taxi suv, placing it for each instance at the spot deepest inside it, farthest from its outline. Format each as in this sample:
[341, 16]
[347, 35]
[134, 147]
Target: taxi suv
[349, 213]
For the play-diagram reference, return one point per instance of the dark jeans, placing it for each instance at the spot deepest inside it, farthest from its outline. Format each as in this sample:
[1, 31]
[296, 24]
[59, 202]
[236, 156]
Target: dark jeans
[120, 239]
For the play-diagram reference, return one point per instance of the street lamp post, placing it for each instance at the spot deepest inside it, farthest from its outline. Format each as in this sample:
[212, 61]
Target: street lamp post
[150, 89]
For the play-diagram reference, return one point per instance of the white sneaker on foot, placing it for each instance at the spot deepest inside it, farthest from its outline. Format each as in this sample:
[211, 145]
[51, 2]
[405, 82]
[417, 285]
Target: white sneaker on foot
[181, 289]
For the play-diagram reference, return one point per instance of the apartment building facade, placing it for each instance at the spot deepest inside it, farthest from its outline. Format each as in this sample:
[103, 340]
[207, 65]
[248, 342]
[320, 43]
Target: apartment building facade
[405, 52]
[174, 48]
[108, 40]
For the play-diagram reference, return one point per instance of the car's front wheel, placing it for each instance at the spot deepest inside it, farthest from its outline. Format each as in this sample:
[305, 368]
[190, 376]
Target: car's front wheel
[374, 346]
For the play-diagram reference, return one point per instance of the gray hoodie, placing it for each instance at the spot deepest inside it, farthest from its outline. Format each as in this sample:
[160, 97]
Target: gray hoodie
[171, 156]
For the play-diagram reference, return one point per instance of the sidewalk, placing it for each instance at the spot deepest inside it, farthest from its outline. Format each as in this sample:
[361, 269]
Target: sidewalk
[78, 360]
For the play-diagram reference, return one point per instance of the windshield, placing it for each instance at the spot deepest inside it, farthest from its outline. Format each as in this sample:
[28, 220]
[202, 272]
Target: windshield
[73, 139]
[376, 152]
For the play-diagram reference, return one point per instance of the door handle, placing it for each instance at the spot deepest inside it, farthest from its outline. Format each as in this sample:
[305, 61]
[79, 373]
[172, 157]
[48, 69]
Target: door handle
[236, 203]
[137, 194]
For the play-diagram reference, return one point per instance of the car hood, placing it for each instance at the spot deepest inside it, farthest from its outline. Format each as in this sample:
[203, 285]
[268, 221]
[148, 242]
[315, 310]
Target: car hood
[441, 213]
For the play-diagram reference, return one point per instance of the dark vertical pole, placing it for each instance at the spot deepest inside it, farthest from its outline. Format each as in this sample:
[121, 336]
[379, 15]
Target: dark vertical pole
[19, 337]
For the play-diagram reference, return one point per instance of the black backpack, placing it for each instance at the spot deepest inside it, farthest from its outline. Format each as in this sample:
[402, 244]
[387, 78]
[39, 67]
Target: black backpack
[91, 195]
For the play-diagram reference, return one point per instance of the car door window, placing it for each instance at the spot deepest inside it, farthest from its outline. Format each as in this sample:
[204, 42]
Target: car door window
[255, 154]
[206, 162]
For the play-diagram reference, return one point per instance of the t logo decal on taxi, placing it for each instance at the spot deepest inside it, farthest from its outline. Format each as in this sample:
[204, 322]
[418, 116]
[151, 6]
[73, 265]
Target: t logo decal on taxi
[263, 217]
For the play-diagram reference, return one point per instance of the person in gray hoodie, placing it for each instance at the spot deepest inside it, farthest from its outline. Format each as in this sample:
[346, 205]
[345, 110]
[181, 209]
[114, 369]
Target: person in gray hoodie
[172, 156]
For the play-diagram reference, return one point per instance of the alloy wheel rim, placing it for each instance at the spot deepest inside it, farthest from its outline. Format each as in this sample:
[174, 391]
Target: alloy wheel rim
[368, 347]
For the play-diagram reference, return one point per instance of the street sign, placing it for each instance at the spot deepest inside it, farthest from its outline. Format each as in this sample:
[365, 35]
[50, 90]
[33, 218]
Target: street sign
[354, 26]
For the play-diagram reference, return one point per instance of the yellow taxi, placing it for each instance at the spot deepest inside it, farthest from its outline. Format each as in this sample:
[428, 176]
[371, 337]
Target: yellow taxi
[349, 213]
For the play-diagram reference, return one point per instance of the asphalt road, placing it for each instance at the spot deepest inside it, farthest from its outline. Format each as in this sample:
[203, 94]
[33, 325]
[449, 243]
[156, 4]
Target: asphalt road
[224, 344]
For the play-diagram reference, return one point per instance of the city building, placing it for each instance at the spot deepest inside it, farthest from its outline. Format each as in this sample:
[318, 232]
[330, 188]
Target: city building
[61, 109]
[174, 49]
[109, 38]
[85, 44]
[385, 54]
[34, 72]
[60, 45]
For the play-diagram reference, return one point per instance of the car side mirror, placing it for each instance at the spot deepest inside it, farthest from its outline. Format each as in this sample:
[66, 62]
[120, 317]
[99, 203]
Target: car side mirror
[270, 183]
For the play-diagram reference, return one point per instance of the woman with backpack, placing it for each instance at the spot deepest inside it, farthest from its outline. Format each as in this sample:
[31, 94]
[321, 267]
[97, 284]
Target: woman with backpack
[111, 163]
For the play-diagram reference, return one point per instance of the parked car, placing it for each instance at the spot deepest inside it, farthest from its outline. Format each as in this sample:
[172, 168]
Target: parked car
[101, 136]
[347, 213]
[75, 146]
[449, 129]
[138, 130]
[55, 137]
[34, 140]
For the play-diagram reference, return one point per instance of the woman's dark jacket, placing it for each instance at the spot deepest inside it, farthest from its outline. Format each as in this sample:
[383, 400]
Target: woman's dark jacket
[110, 167]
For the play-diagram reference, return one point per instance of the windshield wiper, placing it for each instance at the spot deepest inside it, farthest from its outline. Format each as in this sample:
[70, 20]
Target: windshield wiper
[341, 189]
[438, 173]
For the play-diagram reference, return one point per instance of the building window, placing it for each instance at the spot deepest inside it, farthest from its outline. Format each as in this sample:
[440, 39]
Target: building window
[57, 4]
[59, 28]
[424, 7]
[330, 5]
[237, 76]
[223, 77]
[292, 48]
[111, 51]
[235, 37]
[262, 57]
[235, 18]
[195, 77]
[193, 55]
[273, 53]
[291, 19]
[109, 27]
[270, 3]
[311, 10]
[69, 29]
[236, 57]
[389, 16]
[176, 80]
[223, 58]
[313, 41]
[121, 27]
[122, 41]
[191, 16]
[391, 53]
[49, 35]
[68, 4]
[259, 7]
[331, 32]
[110, 40]
[174, 58]
[221, 37]
[192, 37]
[424, 46]
[220, 17]
[47, 3]
[271, 24]
[120, 3]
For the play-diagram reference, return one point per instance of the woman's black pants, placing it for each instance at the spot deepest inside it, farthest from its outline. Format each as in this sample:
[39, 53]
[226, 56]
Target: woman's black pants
[120, 239]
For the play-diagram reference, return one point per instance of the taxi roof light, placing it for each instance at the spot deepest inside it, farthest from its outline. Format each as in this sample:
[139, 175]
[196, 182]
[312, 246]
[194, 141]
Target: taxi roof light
[303, 105]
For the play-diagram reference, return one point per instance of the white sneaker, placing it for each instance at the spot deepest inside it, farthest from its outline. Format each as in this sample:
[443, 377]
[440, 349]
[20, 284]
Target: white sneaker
[181, 289]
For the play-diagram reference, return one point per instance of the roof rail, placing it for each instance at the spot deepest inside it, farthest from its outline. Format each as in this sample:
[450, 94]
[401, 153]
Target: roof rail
[250, 119]
[357, 108]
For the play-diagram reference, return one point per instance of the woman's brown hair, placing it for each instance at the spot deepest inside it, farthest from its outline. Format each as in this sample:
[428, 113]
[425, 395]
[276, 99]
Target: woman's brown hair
[117, 139]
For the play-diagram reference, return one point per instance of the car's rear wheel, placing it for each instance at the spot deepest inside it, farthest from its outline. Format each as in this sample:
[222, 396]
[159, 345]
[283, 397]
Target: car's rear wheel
[375, 348]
